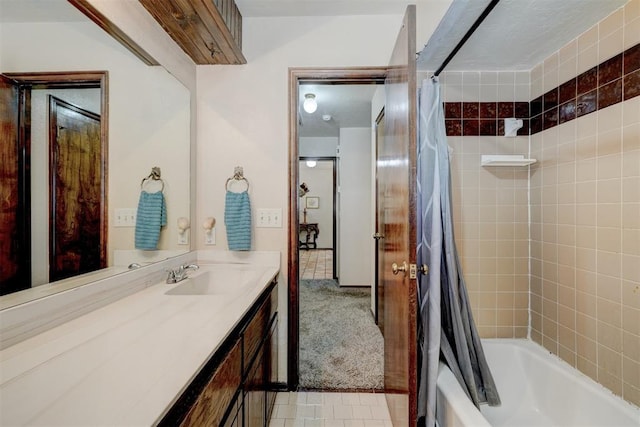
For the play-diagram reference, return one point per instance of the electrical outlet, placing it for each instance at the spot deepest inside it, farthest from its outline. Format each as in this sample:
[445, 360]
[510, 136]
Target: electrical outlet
[183, 238]
[269, 218]
[125, 217]
[210, 237]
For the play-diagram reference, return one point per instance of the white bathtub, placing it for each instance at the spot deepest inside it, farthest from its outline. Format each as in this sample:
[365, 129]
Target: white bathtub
[536, 389]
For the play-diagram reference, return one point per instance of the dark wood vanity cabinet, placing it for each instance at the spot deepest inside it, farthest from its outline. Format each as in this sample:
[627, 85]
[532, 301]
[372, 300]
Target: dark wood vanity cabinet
[237, 386]
[259, 390]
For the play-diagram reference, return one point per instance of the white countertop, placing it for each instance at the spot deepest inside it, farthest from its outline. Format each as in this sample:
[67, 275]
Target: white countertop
[122, 364]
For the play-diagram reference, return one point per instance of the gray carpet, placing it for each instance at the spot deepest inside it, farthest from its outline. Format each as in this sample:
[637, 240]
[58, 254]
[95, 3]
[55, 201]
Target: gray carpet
[341, 348]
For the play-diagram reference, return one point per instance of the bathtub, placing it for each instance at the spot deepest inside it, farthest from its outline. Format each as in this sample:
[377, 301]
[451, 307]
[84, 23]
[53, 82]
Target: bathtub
[536, 389]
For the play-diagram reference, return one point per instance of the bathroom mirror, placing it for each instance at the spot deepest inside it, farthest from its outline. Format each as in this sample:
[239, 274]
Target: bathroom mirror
[148, 125]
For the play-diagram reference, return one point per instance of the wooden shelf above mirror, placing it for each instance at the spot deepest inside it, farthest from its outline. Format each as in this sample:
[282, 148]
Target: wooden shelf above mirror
[209, 31]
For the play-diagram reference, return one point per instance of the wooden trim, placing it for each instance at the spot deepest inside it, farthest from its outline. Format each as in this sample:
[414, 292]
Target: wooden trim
[413, 213]
[113, 30]
[376, 275]
[82, 80]
[347, 75]
[104, 135]
[293, 326]
[60, 79]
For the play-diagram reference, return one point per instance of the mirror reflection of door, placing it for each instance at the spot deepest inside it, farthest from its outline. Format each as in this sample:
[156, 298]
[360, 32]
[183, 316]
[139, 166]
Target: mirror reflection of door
[14, 235]
[76, 237]
[39, 223]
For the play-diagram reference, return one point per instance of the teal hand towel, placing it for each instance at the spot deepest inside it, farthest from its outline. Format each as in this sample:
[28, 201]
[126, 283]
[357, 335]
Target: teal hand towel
[151, 217]
[237, 220]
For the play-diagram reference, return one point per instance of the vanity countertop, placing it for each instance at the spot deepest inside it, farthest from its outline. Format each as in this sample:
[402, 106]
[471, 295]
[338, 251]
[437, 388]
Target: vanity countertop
[122, 364]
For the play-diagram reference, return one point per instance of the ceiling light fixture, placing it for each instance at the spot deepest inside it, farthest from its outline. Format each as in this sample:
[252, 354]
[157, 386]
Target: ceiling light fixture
[311, 163]
[310, 105]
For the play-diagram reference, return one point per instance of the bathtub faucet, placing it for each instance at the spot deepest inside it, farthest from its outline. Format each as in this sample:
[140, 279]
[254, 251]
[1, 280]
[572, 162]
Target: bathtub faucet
[178, 274]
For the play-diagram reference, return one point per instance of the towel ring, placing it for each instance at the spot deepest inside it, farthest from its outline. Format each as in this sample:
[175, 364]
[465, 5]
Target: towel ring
[233, 178]
[238, 175]
[155, 175]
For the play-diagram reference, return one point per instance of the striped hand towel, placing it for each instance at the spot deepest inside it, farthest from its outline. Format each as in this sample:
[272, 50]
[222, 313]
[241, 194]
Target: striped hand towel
[151, 216]
[237, 219]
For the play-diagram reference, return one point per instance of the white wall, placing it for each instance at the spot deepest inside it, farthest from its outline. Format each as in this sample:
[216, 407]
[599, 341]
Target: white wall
[149, 113]
[317, 146]
[134, 20]
[355, 233]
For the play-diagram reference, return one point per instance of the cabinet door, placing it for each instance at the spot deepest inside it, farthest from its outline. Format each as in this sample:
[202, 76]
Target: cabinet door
[256, 331]
[254, 397]
[271, 366]
[214, 400]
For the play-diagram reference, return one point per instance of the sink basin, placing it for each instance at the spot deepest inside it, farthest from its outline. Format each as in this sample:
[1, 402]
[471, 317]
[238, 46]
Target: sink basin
[214, 283]
[201, 285]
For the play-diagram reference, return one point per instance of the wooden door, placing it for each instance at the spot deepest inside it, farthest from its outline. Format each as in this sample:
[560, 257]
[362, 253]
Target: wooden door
[396, 186]
[77, 240]
[15, 237]
[378, 236]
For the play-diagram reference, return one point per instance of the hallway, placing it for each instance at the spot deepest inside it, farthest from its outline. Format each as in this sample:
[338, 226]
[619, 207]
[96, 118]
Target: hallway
[316, 264]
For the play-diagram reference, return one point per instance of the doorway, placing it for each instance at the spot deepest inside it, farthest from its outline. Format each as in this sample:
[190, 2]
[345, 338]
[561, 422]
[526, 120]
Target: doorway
[318, 223]
[300, 83]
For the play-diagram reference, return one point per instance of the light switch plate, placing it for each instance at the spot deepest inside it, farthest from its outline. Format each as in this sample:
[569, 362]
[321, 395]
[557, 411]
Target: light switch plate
[125, 217]
[269, 218]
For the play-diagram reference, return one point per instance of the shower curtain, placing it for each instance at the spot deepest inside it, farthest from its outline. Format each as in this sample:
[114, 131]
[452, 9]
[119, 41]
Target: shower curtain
[446, 329]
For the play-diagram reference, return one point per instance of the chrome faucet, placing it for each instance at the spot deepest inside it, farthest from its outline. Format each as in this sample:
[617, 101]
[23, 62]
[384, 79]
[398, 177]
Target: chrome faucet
[178, 274]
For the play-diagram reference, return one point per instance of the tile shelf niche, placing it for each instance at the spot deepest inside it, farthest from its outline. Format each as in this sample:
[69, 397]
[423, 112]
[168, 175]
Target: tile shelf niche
[505, 160]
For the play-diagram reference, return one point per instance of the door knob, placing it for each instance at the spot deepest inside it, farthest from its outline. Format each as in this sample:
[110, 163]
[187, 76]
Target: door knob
[378, 236]
[424, 269]
[395, 268]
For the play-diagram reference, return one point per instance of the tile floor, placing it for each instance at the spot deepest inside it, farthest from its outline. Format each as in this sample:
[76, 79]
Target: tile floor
[316, 264]
[315, 409]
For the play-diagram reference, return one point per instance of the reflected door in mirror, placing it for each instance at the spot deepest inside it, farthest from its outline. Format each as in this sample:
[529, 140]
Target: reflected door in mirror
[14, 247]
[76, 194]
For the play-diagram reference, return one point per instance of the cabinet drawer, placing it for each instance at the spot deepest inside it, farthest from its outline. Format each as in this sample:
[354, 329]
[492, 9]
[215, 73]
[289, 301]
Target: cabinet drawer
[214, 400]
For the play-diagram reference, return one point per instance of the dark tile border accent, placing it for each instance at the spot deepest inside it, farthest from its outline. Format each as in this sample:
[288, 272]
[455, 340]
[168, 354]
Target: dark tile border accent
[613, 81]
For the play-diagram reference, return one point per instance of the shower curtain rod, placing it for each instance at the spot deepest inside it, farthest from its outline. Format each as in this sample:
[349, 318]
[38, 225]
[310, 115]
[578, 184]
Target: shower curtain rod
[475, 25]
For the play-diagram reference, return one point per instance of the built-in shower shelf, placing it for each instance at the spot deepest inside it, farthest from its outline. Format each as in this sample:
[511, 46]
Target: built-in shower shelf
[505, 160]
